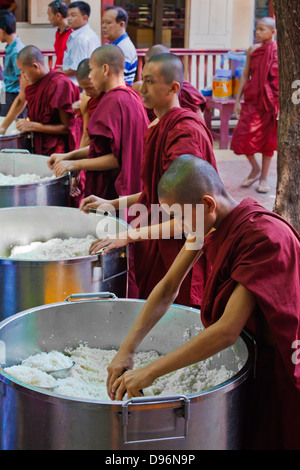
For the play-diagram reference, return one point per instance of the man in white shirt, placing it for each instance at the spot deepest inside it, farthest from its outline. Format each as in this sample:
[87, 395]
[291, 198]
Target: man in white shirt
[83, 40]
[114, 24]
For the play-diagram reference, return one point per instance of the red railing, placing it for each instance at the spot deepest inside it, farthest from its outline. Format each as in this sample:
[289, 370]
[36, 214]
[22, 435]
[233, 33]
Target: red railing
[200, 64]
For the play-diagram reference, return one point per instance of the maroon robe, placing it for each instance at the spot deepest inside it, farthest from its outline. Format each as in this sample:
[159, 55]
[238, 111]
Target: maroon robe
[261, 251]
[117, 126]
[256, 131]
[45, 98]
[180, 131]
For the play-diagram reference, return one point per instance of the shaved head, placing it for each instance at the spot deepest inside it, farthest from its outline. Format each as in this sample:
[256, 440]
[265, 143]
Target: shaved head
[111, 55]
[30, 55]
[171, 67]
[83, 70]
[268, 21]
[157, 49]
[188, 179]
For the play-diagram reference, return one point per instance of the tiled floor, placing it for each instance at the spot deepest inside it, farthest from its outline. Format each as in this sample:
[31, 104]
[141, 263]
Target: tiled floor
[234, 169]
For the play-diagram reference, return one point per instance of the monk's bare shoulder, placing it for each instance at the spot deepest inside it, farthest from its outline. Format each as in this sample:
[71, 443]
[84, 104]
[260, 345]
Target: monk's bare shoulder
[252, 48]
[153, 123]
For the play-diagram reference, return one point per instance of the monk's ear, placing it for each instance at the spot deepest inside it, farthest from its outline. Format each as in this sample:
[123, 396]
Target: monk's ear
[175, 87]
[105, 69]
[209, 202]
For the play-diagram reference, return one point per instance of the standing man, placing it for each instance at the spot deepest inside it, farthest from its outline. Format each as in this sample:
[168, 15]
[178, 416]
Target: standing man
[82, 41]
[57, 15]
[11, 73]
[114, 24]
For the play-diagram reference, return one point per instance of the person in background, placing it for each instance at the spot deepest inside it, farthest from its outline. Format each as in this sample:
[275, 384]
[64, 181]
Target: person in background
[256, 131]
[11, 73]
[82, 41]
[114, 24]
[189, 96]
[49, 95]
[57, 16]
[8, 5]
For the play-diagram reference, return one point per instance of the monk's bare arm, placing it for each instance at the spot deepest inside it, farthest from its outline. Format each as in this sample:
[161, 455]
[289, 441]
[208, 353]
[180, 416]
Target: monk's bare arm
[160, 299]
[15, 110]
[61, 128]
[103, 163]
[243, 80]
[212, 340]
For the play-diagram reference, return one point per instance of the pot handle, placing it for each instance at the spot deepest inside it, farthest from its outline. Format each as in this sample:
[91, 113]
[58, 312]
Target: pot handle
[183, 412]
[15, 151]
[90, 296]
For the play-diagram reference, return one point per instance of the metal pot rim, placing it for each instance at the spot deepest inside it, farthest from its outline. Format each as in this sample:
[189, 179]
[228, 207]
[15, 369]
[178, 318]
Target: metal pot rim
[221, 388]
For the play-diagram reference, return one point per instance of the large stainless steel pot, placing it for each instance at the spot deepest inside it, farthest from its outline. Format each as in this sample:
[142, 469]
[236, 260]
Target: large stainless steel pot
[35, 419]
[13, 139]
[27, 284]
[54, 192]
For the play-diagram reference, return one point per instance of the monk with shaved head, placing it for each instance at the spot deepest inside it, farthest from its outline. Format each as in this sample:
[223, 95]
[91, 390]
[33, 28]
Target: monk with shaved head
[256, 131]
[252, 282]
[189, 96]
[49, 96]
[175, 131]
[116, 129]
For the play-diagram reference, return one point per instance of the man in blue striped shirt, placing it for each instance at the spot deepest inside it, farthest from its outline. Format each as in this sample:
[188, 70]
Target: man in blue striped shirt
[114, 24]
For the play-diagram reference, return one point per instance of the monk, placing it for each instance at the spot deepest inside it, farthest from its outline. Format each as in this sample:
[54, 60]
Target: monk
[256, 131]
[49, 96]
[189, 96]
[116, 129]
[175, 131]
[253, 258]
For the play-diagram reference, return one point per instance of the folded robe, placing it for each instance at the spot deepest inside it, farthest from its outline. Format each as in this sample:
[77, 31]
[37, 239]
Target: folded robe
[180, 131]
[45, 98]
[256, 131]
[261, 251]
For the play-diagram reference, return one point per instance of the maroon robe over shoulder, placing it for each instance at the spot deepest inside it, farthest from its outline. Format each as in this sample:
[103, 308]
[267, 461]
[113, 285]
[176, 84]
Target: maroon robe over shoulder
[180, 131]
[261, 251]
[117, 125]
[45, 98]
[256, 131]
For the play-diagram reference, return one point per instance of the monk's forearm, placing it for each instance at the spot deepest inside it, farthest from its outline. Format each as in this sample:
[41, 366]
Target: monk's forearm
[103, 163]
[165, 230]
[77, 154]
[15, 110]
[56, 129]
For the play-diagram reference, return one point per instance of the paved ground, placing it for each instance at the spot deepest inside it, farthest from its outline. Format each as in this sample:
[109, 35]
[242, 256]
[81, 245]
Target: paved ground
[233, 170]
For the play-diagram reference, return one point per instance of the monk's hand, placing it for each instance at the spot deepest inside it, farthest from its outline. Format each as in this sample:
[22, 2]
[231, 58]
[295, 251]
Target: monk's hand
[62, 167]
[55, 158]
[25, 126]
[237, 109]
[110, 242]
[122, 362]
[132, 382]
[2, 130]
[94, 202]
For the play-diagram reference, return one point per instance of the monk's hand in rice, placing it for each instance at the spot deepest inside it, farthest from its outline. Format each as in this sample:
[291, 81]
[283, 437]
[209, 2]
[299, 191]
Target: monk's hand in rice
[237, 109]
[55, 158]
[62, 167]
[122, 362]
[95, 202]
[110, 242]
[131, 382]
